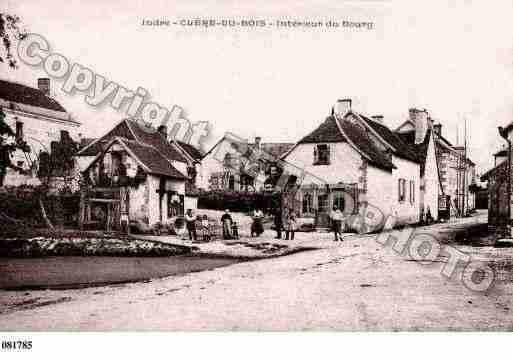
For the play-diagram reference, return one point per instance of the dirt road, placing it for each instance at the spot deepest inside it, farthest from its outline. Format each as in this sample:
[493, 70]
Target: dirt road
[354, 285]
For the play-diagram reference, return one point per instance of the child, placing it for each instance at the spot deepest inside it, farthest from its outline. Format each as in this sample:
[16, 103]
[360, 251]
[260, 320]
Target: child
[205, 228]
[290, 226]
[235, 230]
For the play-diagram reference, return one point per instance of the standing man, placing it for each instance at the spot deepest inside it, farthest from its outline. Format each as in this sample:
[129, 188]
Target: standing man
[336, 220]
[190, 220]
[227, 222]
[278, 222]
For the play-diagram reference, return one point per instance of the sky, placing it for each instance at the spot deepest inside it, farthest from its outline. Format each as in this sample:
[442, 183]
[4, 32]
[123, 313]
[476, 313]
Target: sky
[453, 58]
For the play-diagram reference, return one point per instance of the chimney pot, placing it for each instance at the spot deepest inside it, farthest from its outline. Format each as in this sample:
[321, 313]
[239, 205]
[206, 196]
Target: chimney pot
[43, 84]
[421, 120]
[342, 106]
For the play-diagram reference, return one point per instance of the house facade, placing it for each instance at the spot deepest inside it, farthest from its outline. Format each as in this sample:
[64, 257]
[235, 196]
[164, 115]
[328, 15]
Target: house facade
[37, 119]
[358, 164]
[158, 175]
[448, 175]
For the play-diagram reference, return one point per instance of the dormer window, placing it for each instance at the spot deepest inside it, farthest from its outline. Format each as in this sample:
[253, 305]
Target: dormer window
[322, 154]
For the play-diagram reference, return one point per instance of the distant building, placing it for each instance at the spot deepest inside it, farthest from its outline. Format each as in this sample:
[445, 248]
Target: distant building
[500, 188]
[233, 164]
[456, 177]
[39, 120]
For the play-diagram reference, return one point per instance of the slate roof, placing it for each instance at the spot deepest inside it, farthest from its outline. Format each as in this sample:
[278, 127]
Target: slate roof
[326, 132]
[359, 137]
[420, 149]
[13, 92]
[491, 172]
[403, 149]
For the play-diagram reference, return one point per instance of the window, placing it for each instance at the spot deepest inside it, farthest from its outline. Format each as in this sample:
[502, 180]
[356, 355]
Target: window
[231, 182]
[322, 154]
[307, 203]
[19, 130]
[412, 192]
[323, 203]
[339, 200]
[402, 189]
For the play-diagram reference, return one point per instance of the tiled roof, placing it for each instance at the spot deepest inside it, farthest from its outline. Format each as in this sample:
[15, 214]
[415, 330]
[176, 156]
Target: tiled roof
[150, 136]
[326, 132]
[131, 130]
[153, 159]
[13, 92]
[94, 147]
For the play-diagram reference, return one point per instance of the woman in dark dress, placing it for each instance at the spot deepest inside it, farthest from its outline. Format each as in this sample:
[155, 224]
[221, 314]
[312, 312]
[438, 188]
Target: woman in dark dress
[257, 227]
[227, 222]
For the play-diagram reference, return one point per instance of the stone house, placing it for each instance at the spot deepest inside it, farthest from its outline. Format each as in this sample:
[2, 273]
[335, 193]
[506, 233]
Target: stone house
[353, 158]
[234, 164]
[499, 188]
[448, 175]
[159, 175]
[498, 199]
[40, 121]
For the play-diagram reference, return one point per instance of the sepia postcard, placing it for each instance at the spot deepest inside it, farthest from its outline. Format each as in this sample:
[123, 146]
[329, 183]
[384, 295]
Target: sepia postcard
[264, 166]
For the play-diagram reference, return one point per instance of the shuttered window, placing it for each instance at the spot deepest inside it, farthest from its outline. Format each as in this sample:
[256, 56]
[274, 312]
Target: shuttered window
[402, 189]
[322, 154]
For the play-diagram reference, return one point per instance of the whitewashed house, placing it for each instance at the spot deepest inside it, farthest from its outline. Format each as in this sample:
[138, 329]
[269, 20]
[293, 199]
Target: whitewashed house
[448, 176]
[37, 119]
[419, 132]
[159, 175]
[351, 154]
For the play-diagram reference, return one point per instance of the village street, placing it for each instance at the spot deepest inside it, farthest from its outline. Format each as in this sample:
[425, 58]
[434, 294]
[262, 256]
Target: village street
[354, 285]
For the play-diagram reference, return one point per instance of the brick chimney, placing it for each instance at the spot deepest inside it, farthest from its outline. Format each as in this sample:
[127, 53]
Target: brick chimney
[43, 84]
[162, 129]
[421, 120]
[258, 140]
[342, 106]
[378, 118]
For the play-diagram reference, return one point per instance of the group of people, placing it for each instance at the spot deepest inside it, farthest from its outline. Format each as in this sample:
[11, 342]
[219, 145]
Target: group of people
[192, 223]
[284, 220]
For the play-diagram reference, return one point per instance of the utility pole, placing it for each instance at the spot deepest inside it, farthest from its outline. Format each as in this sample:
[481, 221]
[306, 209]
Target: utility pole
[465, 171]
